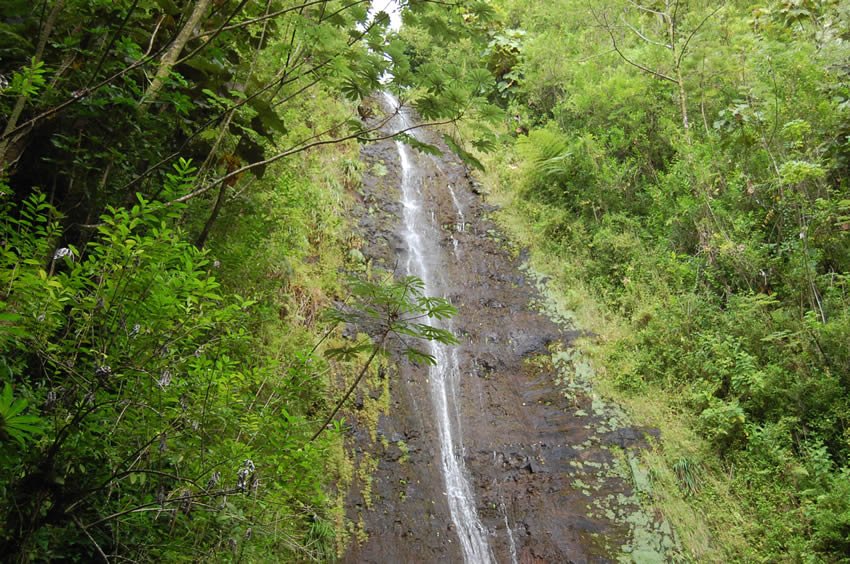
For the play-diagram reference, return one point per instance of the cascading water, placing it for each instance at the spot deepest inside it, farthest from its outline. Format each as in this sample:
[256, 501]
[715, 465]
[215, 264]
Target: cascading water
[422, 253]
[460, 225]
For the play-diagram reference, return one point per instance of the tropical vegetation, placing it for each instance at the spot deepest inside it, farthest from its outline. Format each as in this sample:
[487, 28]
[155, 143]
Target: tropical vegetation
[174, 186]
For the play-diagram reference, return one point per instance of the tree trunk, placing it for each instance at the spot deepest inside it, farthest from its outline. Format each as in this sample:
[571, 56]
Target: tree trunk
[677, 67]
[173, 53]
[21, 102]
[205, 233]
[683, 104]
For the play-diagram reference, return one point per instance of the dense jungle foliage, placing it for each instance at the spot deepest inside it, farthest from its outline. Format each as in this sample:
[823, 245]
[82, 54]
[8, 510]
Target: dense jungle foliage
[175, 178]
[686, 163]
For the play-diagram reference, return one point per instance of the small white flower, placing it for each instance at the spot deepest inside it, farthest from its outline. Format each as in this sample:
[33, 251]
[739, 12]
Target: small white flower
[164, 379]
[216, 476]
[63, 252]
[244, 473]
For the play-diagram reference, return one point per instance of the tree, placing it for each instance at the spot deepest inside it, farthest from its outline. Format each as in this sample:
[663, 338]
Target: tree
[391, 315]
[659, 26]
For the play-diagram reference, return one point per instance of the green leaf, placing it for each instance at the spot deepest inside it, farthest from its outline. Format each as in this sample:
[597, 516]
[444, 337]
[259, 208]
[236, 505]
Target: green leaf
[419, 145]
[418, 357]
[464, 155]
[348, 353]
[21, 428]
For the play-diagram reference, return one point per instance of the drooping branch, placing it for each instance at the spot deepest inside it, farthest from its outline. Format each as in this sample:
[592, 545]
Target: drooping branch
[301, 148]
[281, 79]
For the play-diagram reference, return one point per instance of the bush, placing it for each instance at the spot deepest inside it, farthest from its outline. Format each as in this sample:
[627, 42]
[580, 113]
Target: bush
[144, 378]
[830, 517]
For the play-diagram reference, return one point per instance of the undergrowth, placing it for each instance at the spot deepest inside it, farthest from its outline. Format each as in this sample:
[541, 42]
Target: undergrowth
[735, 488]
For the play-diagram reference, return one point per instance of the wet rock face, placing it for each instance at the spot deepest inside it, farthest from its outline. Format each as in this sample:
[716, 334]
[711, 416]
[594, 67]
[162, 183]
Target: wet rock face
[550, 462]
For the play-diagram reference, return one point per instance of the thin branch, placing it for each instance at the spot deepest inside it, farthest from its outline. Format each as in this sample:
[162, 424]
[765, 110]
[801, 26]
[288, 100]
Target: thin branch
[279, 80]
[297, 148]
[642, 36]
[172, 53]
[214, 34]
[604, 22]
[148, 506]
[694, 32]
[645, 9]
[86, 92]
[270, 15]
[351, 388]
[300, 148]
[85, 531]
[673, 18]
[23, 97]
[216, 118]
[156, 473]
[342, 9]
[112, 42]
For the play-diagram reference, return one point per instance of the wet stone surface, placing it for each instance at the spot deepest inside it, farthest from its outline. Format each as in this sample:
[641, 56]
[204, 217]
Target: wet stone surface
[553, 466]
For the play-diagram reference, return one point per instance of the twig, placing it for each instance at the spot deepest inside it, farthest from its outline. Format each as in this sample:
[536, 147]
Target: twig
[91, 538]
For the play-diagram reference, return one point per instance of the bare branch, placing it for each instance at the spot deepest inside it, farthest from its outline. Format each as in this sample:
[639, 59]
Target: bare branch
[644, 37]
[91, 538]
[153, 504]
[674, 16]
[645, 9]
[695, 31]
[304, 145]
[603, 21]
[341, 402]
[268, 16]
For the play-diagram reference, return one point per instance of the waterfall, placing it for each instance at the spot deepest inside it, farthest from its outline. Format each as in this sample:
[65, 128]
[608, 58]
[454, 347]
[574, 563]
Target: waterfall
[423, 253]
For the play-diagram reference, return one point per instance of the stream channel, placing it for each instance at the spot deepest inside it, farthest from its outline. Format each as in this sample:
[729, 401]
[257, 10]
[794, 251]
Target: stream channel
[502, 452]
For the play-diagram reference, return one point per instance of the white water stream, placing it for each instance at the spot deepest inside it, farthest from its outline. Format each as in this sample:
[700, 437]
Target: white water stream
[423, 254]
